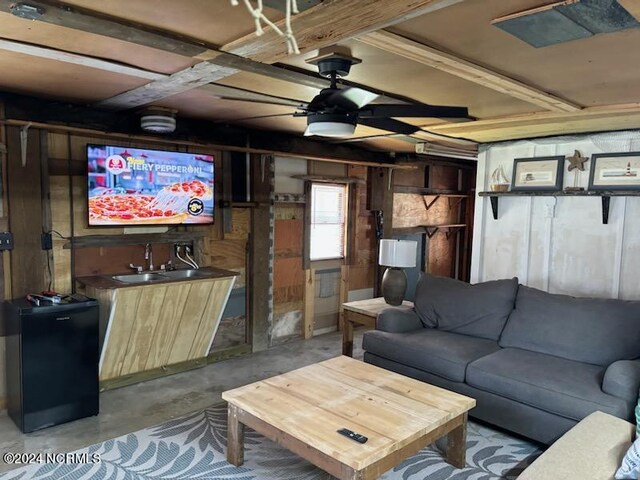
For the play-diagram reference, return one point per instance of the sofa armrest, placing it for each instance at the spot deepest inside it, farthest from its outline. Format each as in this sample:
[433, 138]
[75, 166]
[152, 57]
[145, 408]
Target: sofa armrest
[622, 380]
[398, 320]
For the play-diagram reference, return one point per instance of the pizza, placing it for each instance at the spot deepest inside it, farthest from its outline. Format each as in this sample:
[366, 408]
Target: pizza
[107, 209]
[194, 188]
[169, 205]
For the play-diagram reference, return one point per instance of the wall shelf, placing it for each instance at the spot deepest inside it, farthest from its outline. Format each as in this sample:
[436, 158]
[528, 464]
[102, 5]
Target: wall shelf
[605, 196]
[428, 191]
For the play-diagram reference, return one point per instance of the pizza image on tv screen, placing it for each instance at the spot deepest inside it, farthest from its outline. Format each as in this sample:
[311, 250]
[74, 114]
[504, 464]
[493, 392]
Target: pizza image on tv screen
[133, 186]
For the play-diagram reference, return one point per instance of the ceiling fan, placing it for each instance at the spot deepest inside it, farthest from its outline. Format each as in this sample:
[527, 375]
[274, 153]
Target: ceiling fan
[335, 112]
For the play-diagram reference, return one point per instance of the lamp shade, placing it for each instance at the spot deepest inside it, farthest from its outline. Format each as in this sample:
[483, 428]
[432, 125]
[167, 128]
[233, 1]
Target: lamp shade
[397, 253]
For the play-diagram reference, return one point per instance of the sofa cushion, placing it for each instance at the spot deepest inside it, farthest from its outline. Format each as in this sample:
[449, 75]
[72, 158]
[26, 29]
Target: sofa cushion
[590, 330]
[556, 385]
[480, 310]
[592, 450]
[441, 353]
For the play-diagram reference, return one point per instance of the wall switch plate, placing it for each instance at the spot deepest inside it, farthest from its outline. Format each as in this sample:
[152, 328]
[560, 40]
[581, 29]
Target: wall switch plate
[6, 241]
[47, 241]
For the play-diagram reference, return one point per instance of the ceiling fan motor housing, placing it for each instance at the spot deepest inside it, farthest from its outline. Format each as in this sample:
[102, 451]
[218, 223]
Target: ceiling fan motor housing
[340, 66]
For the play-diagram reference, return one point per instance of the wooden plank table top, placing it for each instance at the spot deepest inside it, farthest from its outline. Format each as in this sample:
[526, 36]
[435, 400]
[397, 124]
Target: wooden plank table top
[371, 306]
[303, 409]
[361, 312]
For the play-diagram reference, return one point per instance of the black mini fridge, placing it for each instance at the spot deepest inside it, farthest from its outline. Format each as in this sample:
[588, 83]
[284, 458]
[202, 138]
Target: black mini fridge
[52, 362]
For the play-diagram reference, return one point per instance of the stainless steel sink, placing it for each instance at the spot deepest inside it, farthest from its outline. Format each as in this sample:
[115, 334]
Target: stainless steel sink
[139, 278]
[188, 273]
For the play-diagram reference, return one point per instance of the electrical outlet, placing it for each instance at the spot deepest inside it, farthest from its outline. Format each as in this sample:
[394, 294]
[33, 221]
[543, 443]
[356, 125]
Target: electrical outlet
[47, 241]
[6, 241]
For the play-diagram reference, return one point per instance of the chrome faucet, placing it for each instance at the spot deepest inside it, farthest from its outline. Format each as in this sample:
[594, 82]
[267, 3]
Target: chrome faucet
[148, 256]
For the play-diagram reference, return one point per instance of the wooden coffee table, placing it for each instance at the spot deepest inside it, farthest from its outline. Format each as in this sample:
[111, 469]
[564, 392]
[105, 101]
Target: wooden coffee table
[303, 409]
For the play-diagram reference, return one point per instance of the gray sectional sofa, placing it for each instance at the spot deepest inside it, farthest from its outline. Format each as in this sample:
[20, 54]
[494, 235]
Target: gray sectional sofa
[536, 363]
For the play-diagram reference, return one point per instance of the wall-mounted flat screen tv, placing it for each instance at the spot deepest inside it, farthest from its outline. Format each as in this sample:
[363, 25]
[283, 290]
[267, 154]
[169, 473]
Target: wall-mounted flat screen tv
[135, 186]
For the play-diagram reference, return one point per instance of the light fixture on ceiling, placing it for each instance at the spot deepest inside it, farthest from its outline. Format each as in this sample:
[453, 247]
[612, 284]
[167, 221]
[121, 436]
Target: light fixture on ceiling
[158, 120]
[336, 125]
[24, 10]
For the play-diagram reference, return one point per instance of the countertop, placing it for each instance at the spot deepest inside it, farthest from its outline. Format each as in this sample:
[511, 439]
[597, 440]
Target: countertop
[106, 282]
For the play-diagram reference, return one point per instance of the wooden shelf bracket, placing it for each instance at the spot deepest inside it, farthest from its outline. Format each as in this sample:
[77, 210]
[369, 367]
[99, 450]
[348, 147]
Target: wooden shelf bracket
[430, 204]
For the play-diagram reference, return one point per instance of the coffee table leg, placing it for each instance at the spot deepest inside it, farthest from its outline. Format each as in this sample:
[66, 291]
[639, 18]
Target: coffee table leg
[347, 335]
[456, 445]
[235, 437]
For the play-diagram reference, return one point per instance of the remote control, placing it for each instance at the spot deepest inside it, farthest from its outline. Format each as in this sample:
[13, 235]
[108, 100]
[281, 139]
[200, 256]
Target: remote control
[353, 435]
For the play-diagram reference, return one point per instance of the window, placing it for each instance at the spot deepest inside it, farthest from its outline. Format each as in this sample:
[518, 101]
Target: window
[328, 212]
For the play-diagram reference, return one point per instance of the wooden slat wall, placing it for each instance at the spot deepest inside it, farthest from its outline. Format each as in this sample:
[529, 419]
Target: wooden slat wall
[25, 203]
[173, 324]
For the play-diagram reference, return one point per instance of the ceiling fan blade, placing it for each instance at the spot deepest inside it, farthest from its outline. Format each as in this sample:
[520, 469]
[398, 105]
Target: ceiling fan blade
[351, 98]
[415, 111]
[389, 124]
[292, 114]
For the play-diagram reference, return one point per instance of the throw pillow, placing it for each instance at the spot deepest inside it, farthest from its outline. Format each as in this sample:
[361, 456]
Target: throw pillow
[630, 468]
[479, 310]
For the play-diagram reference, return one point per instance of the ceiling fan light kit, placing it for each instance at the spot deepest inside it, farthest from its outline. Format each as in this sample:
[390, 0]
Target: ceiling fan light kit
[330, 125]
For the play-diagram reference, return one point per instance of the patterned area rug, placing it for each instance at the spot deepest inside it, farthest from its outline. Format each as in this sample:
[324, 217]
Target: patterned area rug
[194, 447]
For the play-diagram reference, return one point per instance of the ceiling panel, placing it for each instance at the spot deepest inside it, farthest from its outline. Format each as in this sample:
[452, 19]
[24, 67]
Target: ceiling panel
[46, 78]
[213, 21]
[61, 38]
[598, 70]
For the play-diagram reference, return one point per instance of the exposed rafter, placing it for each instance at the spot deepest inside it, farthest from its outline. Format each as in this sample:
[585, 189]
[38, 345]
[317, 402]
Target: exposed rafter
[591, 119]
[330, 22]
[454, 65]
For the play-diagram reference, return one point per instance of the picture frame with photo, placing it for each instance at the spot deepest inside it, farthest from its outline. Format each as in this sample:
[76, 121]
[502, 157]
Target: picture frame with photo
[615, 171]
[538, 174]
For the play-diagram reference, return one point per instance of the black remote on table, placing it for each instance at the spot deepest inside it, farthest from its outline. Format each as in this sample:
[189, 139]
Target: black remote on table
[353, 435]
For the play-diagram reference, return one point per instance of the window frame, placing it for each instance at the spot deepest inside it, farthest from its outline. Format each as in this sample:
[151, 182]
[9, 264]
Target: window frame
[345, 220]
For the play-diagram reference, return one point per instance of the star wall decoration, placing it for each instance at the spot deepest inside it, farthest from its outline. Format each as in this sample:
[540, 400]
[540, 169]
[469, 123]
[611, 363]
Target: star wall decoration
[577, 161]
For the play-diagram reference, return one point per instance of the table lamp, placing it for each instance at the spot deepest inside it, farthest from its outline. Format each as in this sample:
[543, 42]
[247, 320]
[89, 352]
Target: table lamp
[396, 254]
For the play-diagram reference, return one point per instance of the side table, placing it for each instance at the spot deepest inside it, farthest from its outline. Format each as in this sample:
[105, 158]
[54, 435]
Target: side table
[361, 312]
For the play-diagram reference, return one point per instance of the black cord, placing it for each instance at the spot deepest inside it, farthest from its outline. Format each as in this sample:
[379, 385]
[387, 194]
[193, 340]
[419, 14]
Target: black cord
[50, 274]
[58, 234]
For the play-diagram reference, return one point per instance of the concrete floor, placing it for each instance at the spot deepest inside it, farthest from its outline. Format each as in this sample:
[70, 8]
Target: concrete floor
[146, 404]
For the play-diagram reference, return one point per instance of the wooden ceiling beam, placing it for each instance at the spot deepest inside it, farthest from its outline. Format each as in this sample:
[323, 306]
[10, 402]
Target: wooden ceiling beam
[590, 119]
[330, 22]
[221, 91]
[460, 67]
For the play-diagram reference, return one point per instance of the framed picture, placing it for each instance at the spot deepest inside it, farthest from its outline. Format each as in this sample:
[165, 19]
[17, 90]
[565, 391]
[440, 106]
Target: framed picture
[615, 171]
[538, 173]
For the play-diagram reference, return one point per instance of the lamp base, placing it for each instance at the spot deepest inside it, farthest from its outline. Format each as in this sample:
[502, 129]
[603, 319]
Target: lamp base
[394, 286]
